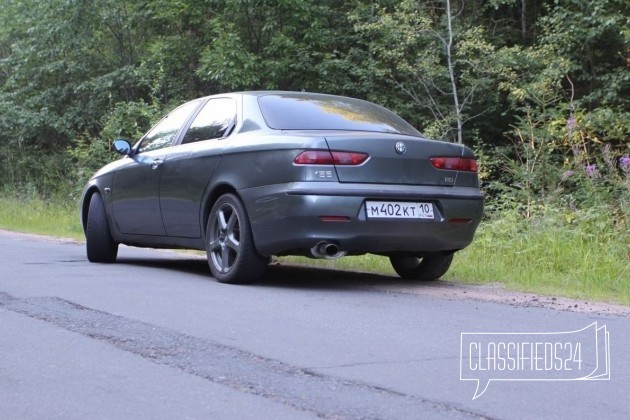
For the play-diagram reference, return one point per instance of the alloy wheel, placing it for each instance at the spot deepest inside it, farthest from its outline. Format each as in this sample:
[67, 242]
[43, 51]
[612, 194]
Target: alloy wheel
[224, 238]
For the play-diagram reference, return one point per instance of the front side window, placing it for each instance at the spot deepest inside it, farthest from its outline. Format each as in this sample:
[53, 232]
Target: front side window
[164, 132]
[213, 121]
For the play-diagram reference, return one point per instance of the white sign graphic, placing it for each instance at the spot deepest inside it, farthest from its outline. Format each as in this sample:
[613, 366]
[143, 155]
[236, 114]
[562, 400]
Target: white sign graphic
[555, 356]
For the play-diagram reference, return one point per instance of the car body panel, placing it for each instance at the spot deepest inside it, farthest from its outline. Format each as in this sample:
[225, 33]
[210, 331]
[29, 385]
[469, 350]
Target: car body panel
[289, 217]
[186, 172]
[135, 195]
[388, 166]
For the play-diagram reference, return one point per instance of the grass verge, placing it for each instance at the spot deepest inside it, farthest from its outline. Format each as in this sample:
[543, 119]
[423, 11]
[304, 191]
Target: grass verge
[549, 259]
[45, 217]
[587, 258]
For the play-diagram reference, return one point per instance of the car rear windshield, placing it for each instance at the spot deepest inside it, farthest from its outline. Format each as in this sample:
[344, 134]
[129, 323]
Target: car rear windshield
[301, 111]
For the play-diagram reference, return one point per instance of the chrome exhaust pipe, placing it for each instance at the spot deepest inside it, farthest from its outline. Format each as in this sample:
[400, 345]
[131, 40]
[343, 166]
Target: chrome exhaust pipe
[327, 251]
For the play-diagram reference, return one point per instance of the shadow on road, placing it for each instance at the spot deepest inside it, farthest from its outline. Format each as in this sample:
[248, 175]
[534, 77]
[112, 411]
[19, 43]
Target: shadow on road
[183, 265]
[278, 275]
[291, 276]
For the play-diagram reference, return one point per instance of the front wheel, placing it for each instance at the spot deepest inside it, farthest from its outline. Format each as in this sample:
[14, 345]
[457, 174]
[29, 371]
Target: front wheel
[232, 256]
[100, 245]
[428, 268]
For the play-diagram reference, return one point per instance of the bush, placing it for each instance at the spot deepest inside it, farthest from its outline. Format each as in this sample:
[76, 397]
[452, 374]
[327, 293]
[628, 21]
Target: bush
[128, 120]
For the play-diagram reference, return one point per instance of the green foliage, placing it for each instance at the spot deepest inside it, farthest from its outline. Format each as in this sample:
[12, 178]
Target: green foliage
[67, 63]
[580, 254]
[562, 151]
[54, 217]
[59, 76]
[410, 69]
[128, 120]
[228, 63]
[272, 44]
[594, 36]
[35, 173]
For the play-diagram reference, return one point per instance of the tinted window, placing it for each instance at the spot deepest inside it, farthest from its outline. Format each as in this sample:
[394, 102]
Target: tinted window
[324, 112]
[213, 121]
[164, 132]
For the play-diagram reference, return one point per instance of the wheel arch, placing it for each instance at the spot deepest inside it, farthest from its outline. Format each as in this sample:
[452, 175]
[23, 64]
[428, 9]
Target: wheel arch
[85, 204]
[212, 196]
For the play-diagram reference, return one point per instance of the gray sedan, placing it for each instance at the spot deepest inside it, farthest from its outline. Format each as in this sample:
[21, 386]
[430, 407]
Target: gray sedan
[245, 176]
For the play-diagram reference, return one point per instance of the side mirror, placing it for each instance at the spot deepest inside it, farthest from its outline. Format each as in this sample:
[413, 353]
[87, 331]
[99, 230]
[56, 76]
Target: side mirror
[122, 146]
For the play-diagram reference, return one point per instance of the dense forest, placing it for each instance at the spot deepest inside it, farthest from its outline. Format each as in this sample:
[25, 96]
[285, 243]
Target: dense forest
[538, 88]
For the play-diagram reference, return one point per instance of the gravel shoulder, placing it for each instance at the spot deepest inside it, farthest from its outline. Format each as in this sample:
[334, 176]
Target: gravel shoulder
[497, 292]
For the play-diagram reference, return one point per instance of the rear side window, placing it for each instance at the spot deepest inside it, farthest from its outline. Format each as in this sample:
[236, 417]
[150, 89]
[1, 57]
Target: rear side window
[326, 112]
[213, 121]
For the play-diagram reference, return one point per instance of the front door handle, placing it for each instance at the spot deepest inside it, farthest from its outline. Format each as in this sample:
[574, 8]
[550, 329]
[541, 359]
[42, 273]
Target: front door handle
[156, 163]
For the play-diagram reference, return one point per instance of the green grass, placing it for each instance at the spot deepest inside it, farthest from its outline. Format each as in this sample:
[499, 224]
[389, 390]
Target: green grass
[568, 261]
[44, 217]
[585, 259]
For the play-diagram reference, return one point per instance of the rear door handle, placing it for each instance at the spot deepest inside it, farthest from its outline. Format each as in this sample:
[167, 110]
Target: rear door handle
[156, 163]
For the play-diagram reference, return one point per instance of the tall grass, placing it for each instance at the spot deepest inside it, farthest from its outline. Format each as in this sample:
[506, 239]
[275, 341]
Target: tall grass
[585, 257]
[574, 260]
[36, 215]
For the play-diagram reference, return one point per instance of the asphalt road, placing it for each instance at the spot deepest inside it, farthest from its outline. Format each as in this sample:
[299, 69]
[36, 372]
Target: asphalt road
[155, 337]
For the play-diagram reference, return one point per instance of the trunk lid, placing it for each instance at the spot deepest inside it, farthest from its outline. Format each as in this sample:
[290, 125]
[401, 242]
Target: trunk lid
[398, 159]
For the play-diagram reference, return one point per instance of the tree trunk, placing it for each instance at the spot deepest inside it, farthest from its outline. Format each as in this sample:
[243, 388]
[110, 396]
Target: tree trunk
[451, 72]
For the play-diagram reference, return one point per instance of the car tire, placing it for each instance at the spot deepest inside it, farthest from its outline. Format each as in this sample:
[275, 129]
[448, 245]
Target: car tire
[232, 256]
[100, 246]
[428, 268]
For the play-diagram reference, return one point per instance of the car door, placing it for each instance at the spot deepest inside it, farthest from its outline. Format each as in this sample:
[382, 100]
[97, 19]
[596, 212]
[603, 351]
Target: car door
[135, 188]
[189, 166]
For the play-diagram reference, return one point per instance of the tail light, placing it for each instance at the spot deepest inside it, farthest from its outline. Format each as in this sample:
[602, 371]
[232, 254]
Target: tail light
[325, 157]
[455, 163]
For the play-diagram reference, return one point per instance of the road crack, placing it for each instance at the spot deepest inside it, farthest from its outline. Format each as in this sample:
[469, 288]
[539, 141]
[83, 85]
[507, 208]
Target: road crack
[323, 395]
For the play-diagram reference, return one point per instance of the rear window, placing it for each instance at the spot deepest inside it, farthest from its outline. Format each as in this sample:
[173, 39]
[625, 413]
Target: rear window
[301, 111]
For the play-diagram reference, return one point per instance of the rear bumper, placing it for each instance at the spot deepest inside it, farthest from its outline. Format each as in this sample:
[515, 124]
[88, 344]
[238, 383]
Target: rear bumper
[286, 218]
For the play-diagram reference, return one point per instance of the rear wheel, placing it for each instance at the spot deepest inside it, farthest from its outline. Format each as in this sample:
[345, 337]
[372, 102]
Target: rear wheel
[99, 243]
[428, 268]
[232, 256]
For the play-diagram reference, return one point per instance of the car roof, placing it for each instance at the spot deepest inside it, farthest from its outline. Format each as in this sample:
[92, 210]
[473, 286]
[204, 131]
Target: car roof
[259, 93]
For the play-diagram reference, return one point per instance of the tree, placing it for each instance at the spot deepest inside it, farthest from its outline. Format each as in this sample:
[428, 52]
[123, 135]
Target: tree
[272, 44]
[442, 63]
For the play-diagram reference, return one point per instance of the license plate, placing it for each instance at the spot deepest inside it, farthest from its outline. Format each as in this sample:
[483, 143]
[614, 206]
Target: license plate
[398, 210]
